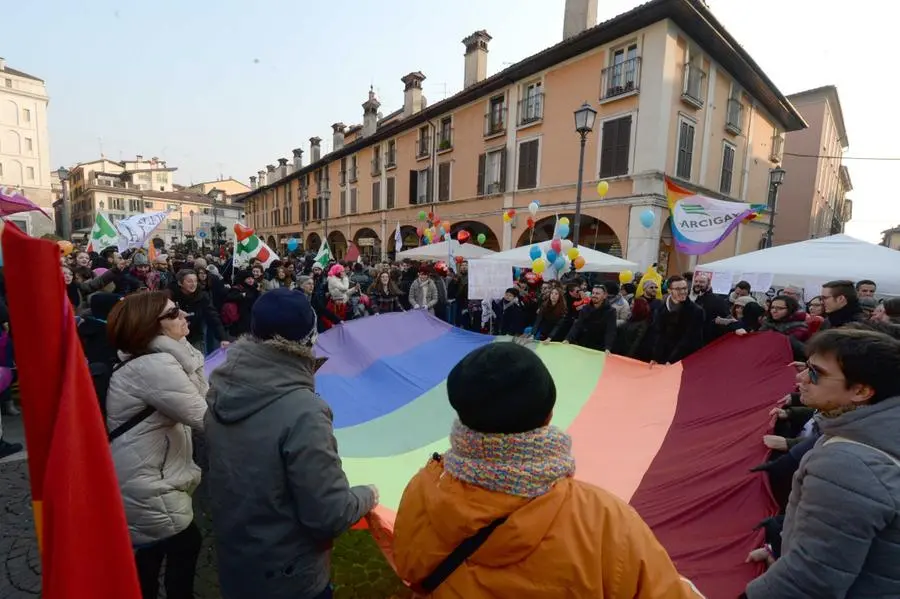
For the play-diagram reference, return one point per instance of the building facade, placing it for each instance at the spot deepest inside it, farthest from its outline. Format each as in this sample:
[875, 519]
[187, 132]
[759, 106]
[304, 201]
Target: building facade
[891, 238]
[813, 201]
[231, 187]
[675, 94]
[25, 145]
[126, 188]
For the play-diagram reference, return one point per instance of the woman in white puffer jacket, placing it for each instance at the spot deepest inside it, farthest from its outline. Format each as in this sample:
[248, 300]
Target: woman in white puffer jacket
[156, 396]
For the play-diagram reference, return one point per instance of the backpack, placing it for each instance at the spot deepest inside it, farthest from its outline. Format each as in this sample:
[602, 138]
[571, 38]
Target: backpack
[230, 313]
[101, 374]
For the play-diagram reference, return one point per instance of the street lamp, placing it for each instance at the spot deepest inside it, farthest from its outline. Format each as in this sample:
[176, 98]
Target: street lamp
[776, 178]
[325, 197]
[66, 229]
[584, 124]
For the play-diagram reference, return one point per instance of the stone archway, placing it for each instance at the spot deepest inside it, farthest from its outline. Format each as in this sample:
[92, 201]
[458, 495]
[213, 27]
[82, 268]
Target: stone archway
[272, 243]
[410, 238]
[313, 242]
[595, 234]
[337, 243]
[475, 228]
[369, 243]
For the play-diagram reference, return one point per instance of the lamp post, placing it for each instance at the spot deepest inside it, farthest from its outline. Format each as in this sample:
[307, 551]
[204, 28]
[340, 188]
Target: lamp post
[584, 124]
[776, 178]
[66, 229]
[325, 196]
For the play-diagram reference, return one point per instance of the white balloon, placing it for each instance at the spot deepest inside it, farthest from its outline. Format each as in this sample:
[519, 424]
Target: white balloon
[533, 208]
[567, 245]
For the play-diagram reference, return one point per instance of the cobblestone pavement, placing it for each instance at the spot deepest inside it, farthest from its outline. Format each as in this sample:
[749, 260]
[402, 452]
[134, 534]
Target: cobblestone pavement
[360, 571]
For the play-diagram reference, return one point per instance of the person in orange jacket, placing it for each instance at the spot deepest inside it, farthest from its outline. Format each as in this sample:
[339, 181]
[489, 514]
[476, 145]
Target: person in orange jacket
[501, 514]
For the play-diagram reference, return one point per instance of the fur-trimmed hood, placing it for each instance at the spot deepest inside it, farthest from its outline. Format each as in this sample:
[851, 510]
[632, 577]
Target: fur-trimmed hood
[258, 372]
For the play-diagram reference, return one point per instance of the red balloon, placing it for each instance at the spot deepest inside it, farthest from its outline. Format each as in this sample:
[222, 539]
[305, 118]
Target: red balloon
[463, 236]
[459, 259]
[530, 222]
[431, 216]
[556, 245]
[420, 231]
[511, 212]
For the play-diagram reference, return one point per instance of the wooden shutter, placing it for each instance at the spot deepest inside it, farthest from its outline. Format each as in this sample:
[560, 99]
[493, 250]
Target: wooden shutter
[623, 146]
[503, 170]
[353, 196]
[391, 190]
[685, 150]
[413, 184]
[443, 182]
[528, 164]
[376, 195]
[343, 202]
[482, 162]
[315, 209]
[608, 148]
[429, 182]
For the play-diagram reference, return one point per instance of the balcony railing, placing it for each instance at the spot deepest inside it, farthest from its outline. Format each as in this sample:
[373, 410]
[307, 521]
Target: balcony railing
[376, 166]
[734, 116]
[423, 147]
[495, 121]
[445, 139]
[692, 82]
[353, 174]
[620, 79]
[531, 108]
[390, 158]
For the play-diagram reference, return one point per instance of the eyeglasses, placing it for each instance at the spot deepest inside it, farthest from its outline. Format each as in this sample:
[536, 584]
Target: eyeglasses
[813, 372]
[171, 314]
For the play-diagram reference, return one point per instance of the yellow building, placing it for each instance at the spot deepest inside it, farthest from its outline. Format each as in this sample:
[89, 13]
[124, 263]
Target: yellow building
[675, 95]
[230, 187]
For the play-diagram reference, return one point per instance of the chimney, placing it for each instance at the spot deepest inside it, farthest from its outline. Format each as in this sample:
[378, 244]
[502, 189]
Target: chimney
[2, 63]
[262, 178]
[338, 139]
[252, 181]
[412, 93]
[271, 175]
[315, 149]
[370, 114]
[580, 15]
[282, 168]
[476, 57]
[298, 159]
[139, 158]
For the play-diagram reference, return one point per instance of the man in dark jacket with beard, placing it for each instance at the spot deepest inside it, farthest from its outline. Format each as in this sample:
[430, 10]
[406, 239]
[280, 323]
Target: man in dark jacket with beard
[595, 326]
[198, 305]
[841, 304]
[677, 328]
[278, 491]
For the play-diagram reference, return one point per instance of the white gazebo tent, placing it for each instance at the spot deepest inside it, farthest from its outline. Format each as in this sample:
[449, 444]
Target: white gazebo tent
[594, 261]
[810, 263]
[445, 250]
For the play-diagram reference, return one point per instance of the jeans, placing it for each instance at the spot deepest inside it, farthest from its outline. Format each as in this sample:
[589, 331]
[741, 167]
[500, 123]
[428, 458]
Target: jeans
[180, 554]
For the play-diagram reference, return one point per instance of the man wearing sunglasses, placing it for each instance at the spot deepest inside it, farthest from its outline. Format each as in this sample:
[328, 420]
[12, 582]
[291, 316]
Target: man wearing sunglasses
[841, 534]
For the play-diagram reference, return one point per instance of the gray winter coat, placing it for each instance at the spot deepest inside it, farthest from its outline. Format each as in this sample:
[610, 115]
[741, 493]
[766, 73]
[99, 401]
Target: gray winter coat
[841, 534]
[278, 492]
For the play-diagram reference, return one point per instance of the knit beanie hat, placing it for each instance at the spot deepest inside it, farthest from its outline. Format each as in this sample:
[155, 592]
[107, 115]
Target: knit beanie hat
[502, 387]
[284, 313]
[140, 259]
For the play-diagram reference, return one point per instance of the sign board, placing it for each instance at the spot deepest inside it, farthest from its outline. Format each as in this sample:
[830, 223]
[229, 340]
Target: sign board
[489, 279]
[366, 241]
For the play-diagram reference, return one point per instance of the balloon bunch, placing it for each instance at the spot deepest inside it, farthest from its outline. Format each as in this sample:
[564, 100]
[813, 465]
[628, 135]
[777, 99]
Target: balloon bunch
[558, 253]
[533, 207]
[434, 230]
[509, 215]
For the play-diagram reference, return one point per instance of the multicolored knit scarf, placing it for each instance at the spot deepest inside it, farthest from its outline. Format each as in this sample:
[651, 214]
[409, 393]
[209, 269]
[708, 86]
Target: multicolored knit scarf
[522, 464]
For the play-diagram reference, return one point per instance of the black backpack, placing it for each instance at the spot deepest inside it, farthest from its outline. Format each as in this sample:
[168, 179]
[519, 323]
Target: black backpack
[101, 374]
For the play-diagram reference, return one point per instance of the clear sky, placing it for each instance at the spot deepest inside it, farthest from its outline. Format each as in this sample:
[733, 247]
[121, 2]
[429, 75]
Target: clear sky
[228, 86]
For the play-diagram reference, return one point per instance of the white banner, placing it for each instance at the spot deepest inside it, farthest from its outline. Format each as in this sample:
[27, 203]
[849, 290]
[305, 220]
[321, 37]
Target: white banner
[135, 231]
[489, 279]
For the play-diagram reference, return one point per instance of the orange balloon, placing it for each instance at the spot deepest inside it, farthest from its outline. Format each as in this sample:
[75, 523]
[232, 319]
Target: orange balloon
[578, 262]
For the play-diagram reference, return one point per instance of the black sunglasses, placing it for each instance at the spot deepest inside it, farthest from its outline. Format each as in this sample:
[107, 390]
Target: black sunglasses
[172, 314]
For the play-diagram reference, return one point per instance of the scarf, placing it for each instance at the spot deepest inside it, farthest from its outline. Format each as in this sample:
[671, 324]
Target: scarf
[522, 464]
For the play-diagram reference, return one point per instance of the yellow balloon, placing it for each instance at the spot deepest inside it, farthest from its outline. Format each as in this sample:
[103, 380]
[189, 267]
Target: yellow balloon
[602, 188]
[564, 221]
[65, 247]
[538, 265]
[506, 217]
[626, 276]
[573, 253]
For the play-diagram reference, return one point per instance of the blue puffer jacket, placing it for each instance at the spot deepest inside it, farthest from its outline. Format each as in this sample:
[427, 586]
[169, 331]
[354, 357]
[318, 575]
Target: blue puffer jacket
[841, 533]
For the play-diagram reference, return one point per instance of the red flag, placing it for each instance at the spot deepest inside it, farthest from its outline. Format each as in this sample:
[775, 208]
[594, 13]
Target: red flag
[78, 513]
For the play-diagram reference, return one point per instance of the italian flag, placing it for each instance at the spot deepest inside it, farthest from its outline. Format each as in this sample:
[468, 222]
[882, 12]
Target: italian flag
[103, 234]
[324, 255]
[248, 245]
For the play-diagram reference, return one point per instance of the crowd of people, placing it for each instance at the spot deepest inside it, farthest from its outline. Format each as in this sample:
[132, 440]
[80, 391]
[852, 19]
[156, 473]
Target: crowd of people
[262, 440]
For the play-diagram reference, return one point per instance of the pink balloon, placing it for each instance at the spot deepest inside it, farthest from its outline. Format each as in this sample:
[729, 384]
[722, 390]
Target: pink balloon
[556, 245]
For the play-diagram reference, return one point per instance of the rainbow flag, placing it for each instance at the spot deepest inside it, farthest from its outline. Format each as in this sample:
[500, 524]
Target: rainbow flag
[677, 442]
[700, 223]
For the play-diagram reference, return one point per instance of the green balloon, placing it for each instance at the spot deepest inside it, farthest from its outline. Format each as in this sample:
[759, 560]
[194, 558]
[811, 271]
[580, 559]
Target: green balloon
[481, 238]
[422, 215]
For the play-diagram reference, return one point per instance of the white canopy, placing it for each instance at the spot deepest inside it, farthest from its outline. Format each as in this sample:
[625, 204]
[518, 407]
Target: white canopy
[808, 264]
[443, 251]
[594, 261]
